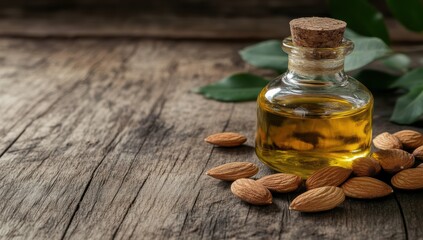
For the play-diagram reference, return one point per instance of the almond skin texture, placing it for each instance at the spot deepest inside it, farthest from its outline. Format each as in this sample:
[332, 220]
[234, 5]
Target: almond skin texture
[251, 191]
[233, 171]
[318, 199]
[410, 139]
[281, 182]
[394, 160]
[226, 139]
[409, 179]
[387, 141]
[328, 176]
[366, 188]
[365, 167]
[418, 152]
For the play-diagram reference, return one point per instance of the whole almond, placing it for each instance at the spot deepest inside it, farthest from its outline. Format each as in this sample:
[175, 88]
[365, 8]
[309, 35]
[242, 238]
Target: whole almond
[318, 199]
[409, 179]
[418, 152]
[366, 187]
[410, 139]
[226, 139]
[394, 160]
[365, 167]
[328, 176]
[251, 191]
[387, 141]
[233, 171]
[281, 182]
[420, 165]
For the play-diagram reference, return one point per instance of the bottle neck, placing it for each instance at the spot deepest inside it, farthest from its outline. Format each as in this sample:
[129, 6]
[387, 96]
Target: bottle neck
[313, 67]
[316, 66]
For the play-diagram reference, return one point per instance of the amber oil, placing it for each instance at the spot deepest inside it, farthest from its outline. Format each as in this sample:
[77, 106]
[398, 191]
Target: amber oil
[300, 134]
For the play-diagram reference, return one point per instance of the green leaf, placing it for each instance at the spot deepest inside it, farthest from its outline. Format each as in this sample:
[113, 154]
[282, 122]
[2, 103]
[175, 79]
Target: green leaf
[366, 50]
[408, 12]
[375, 80]
[235, 88]
[398, 62]
[410, 80]
[267, 54]
[350, 34]
[409, 108]
[360, 16]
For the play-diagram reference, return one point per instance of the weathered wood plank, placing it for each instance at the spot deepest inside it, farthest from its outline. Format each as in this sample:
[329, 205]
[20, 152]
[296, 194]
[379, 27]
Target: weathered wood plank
[116, 150]
[139, 23]
[34, 76]
[170, 155]
[246, 7]
[38, 199]
[412, 213]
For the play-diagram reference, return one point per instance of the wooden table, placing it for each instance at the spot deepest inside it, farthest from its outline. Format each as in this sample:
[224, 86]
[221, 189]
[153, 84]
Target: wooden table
[102, 138]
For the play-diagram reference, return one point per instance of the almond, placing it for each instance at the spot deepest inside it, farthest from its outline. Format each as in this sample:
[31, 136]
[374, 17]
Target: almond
[394, 160]
[365, 167]
[409, 179]
[366, 187]
[318, 199]
[226, 139]
[233, 171]
[410, 139]
[420, 165]
[328, 176]
[387, 141]
[418, 152]
[281, 182]
[251, 191]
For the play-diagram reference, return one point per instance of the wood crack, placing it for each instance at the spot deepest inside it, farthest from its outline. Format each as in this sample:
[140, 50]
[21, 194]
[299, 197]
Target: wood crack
[186, 214]
[40, 164]
[195, 201]
[211, 152]
[229, 118]
[183, 224]
[404, 222]
[280, 231]
[129, 207]
[67, 92]
[109, 149]
[248, 213]
[14, 140]
[161, 104]
[22, 117]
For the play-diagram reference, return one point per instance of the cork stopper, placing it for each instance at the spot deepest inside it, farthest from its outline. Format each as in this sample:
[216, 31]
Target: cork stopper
[317, 32]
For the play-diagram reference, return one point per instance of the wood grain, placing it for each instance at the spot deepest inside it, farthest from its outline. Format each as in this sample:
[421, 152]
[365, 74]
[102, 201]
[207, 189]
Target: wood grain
[102, 139]
[141, 23]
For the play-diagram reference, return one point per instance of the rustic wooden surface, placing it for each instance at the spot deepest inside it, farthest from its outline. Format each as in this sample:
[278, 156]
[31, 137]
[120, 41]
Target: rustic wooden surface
[103, 139]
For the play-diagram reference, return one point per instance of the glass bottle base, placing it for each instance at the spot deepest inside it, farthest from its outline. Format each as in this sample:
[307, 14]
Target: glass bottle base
[305, 163]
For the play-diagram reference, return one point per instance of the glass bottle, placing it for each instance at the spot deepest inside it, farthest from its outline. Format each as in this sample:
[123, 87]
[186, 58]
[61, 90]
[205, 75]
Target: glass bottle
[314, 115]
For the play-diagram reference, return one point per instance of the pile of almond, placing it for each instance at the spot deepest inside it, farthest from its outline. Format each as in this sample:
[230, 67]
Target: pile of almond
[328, 187]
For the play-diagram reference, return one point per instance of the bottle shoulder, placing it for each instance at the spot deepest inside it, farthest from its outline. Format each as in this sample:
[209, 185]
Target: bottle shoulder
[348, 89]
[282, 95]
